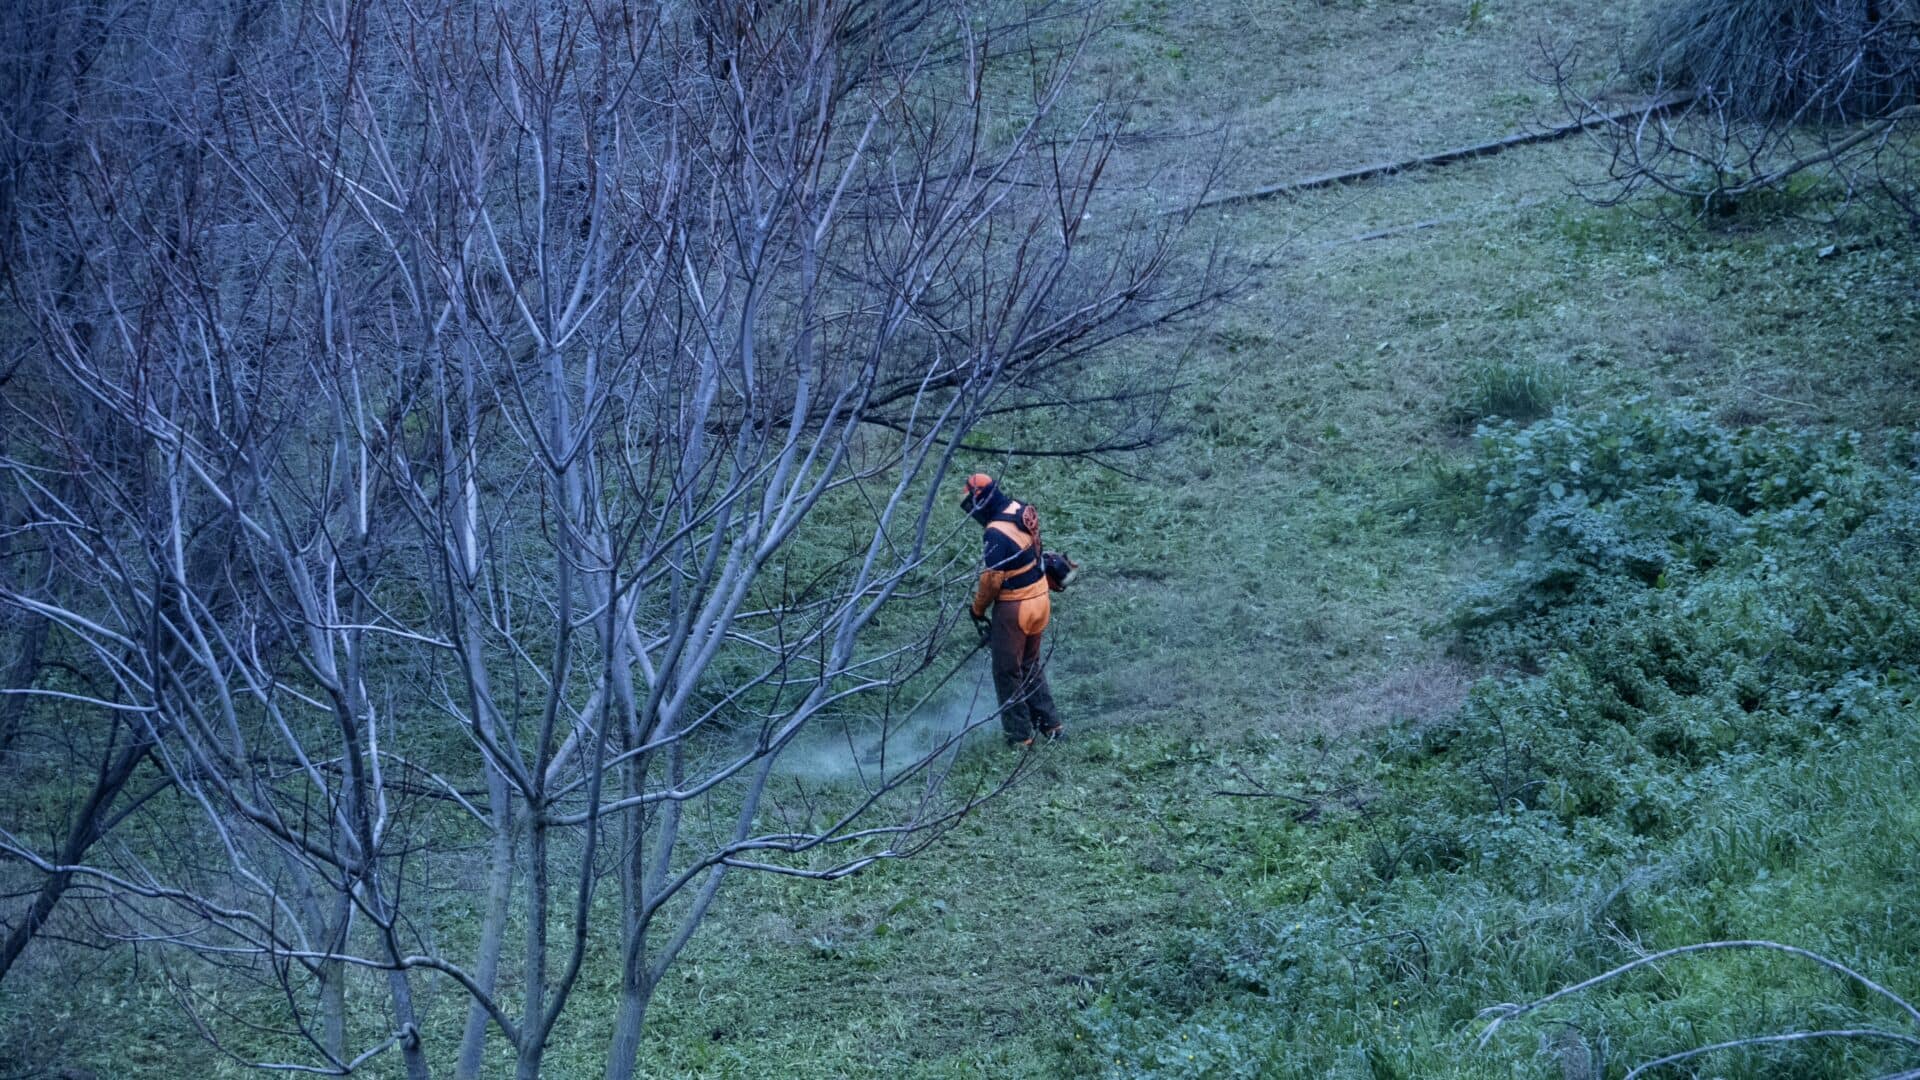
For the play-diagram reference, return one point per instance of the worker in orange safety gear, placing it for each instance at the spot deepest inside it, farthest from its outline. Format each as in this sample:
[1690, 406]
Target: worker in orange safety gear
[1013, 583]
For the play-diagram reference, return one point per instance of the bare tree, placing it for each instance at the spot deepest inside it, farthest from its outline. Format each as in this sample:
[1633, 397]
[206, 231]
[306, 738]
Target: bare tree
[521, 418]
[1767, 93]
[55, 53]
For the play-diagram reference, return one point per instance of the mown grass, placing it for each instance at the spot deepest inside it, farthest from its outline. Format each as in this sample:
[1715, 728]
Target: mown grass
[1264, 591]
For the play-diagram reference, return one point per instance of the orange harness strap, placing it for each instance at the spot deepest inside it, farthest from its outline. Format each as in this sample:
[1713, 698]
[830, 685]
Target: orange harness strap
[1021, 537]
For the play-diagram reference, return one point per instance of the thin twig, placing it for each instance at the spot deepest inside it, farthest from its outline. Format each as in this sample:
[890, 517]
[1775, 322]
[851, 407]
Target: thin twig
[1507, 1011]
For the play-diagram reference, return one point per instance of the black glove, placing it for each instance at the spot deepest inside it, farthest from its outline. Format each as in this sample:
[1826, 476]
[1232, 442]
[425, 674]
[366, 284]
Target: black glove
[980, 624]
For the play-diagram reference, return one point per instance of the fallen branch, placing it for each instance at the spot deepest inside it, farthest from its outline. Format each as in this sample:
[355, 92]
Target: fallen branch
[1877, 130]
[1767, 1040]
[1505, 1012]
[1310, 805]
[1432, 223]
[1502, 1013]
[1445, 157]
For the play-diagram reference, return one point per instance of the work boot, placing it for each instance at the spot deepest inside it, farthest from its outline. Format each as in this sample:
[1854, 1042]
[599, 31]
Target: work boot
[1056, 733]
[1019, 744]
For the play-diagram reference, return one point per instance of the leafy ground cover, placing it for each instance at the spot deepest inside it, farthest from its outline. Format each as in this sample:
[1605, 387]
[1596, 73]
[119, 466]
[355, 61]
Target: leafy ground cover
[1705, 731]
[1298, 593]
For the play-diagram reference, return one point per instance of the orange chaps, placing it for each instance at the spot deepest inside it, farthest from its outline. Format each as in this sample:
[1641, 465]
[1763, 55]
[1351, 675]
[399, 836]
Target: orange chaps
[1019, 678]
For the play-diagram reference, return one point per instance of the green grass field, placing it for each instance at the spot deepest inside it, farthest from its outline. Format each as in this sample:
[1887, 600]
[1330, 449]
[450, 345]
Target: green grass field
[1267, 601]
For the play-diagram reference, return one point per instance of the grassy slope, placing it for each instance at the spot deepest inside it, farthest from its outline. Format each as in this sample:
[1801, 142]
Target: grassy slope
[1266, 592]
[1263, 593]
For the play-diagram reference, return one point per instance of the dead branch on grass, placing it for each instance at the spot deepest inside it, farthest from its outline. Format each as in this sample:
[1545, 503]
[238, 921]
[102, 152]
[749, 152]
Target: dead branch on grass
[1311, 805]
[1504, 1012]
[1659, 103]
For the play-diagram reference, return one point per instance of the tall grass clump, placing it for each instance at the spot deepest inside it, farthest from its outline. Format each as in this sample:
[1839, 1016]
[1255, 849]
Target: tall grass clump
[1518, 390]
[1706, 731]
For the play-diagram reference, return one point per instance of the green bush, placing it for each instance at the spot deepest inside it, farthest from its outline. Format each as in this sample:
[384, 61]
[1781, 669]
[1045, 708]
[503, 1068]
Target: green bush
[1598, 456]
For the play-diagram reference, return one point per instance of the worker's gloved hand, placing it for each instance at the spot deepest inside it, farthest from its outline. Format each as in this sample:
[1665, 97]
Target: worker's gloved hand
[980, 623]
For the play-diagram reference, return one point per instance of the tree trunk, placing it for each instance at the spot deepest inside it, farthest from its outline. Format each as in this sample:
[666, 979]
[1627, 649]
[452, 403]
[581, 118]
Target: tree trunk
[533, 1033]
[410, 1048]
[22, 674]
[493, 927]
[636, 993]
[333, 1009]
[88, 825]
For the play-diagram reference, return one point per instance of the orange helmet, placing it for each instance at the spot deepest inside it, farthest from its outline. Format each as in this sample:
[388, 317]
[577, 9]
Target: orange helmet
[978, 488]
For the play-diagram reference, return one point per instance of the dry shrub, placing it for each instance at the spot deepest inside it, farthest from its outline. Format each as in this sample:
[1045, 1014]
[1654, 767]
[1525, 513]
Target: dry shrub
[1789, 58]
